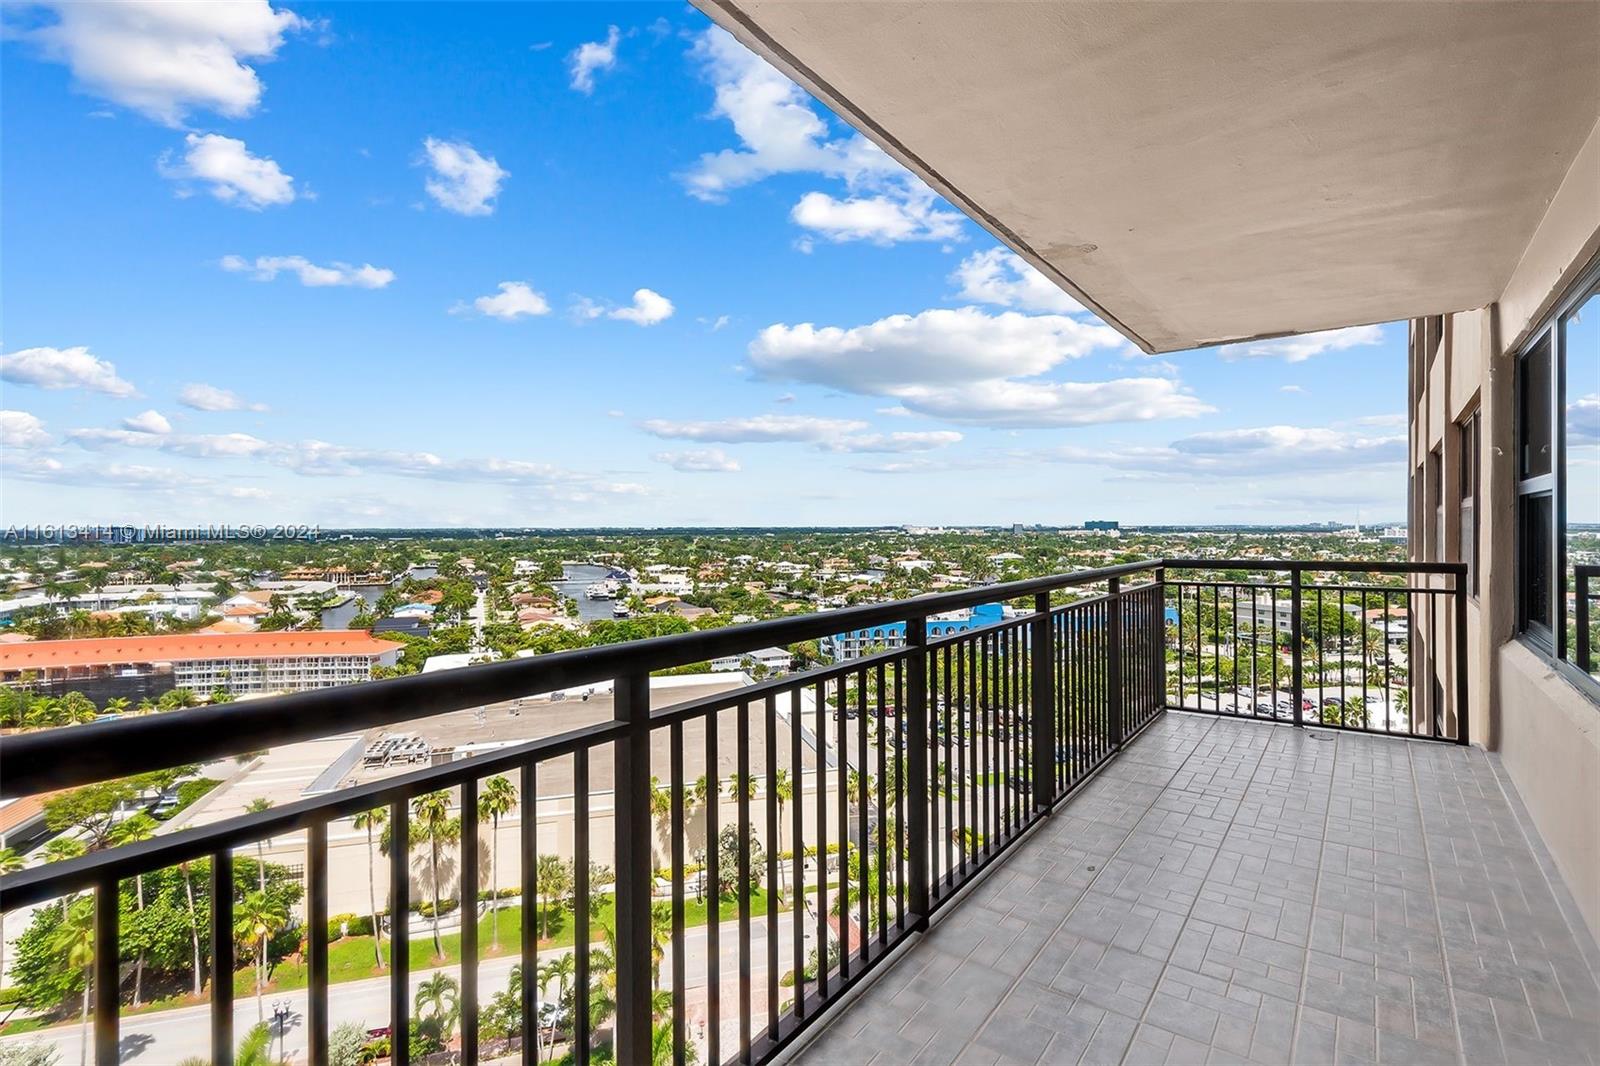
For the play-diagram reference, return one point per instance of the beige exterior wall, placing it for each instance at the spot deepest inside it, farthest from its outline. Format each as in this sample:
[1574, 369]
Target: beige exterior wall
[1546, 729]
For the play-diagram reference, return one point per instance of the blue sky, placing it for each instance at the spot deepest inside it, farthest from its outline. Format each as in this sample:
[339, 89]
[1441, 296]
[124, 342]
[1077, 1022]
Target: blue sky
[409, 264]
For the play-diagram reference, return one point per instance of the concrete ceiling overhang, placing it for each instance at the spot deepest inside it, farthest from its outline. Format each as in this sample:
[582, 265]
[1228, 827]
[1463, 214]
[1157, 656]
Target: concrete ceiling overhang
[1199, 173]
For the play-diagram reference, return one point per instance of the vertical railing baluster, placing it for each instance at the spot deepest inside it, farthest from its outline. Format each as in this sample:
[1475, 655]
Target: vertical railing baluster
[902, 774]
[822, 839]
[468, 909]
[946, 772]
[916, 778]
[1296, 652]
[677, 784]
[863, 855]
[797, 851]
[317, 942]
[580, 906]
[631, 892]
[399, 932]
[956, 719]
[770, 705]
[841, 723]
[882, 812]
[1114, 661]
[713, 889]
[1460, 604]
[107, 973]
[744, 781]
[222, 959]
[529, 834]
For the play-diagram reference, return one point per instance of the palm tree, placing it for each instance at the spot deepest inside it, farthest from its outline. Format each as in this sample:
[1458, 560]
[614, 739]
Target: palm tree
[257, 919]
[139, 828]
[660, 933]
[439, 996]
[783, 790]
[10, 863]
[498, 798]
[553, 880]
[744, 784]
[562, 969]
[116, 705]
[369, 820]
[194, 923]
[62, 848]
[73, 943]
[256, 806]
[434, 824]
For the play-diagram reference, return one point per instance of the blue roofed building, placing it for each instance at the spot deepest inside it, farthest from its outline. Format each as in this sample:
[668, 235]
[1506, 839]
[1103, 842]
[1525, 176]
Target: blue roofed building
[891, 635]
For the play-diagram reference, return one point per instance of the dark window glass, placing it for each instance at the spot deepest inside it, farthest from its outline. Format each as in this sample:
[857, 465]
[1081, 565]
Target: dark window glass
[1535, 414]
[1536, 568]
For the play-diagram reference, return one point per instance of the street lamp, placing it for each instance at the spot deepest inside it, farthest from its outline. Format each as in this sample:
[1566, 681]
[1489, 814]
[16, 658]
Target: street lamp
[280, 1014]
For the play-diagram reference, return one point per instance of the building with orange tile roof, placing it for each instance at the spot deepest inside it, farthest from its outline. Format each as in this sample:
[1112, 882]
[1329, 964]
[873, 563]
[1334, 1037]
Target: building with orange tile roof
[244, 664]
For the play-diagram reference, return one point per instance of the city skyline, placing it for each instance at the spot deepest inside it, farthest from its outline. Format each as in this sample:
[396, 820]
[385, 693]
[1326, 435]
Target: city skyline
[572, 266]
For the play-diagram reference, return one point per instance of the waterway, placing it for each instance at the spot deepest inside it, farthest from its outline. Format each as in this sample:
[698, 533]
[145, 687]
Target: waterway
[577, 577]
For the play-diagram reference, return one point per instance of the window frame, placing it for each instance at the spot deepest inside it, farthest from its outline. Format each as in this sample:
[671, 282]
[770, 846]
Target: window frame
[1469, 498]
[1549, 636]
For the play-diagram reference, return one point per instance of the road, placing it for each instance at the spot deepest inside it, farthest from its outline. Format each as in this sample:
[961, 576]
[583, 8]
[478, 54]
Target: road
[162, 1038]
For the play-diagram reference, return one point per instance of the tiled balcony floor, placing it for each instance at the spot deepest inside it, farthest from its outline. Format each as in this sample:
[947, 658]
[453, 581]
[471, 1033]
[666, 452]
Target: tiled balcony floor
[1242, 892]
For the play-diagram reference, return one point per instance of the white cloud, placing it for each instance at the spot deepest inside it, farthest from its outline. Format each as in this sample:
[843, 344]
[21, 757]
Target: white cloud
[1044, 404]
[714, 325]
[151, 421]
[203, 397]
[781, 133]
[699, 461]
[162, 58]
[19, 429]
[911, 215]
[999, 276]
[756, 429]
[1297, 389]
[917, 441]
[268, 267]
[63, 368]
[1299, 349]
[1583, 420]
[515, 300]
[196, 446]
[1264, 451]
[941, 346]
[649, 307]
[590, 58]
[972, 366]
[463, 180]
[235, 176]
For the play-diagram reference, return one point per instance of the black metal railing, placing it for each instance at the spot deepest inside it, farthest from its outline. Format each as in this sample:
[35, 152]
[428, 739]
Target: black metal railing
[1586, 620]
[1348, 645]
[823, 816]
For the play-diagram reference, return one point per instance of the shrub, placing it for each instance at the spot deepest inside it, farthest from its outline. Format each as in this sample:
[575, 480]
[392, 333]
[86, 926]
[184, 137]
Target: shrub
[425, 908]
[341, 925]
[346, 1044]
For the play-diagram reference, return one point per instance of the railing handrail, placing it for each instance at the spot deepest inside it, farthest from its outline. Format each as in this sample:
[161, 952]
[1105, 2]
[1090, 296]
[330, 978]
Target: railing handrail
[1352, 566]
[66, 757]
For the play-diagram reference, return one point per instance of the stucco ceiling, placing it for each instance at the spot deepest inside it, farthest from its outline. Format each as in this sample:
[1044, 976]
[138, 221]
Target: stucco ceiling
[1206, 172]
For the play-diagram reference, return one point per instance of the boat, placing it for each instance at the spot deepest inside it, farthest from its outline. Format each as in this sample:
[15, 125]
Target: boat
[619, 610]
[602, 590]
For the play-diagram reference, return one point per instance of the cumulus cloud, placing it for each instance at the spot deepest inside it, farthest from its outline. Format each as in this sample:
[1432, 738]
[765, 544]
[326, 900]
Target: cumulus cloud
[19, 429]
[463, 180]
[514, 300]
[592, 57]
[972, 366]
[204, 397]
[1297, 389]
[780, 132]
[1583, 420]
[151, 421]
[699, 461]
[1263, 451]
[999, 276]
[163, 59]
[234, 175]
[195, 446]
[268, 267]
[63, 368]
[756, 429]
[1299, 349]
[648, 308]
[941, 346]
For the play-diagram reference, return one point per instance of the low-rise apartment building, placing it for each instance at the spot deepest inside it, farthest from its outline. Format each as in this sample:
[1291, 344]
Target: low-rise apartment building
[243, 664]
[858, 642]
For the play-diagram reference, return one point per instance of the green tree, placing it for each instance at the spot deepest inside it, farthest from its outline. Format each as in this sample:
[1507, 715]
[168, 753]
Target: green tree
[369, 820]
[437, 1004]
[73, 944]
[783, 791]
[257, 918]
[553, 880]
[256, 806]
[139, 828]
[434, 825]
[10, 863]
[498, 799]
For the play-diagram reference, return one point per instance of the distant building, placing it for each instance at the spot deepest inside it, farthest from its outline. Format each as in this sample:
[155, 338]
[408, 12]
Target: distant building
[1102, 525]
[244, 664]
[892, 635]
[776, 660]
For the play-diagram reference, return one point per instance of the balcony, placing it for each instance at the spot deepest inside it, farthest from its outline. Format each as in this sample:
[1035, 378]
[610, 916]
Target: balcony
[1003, 824]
